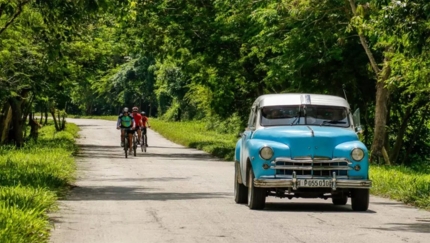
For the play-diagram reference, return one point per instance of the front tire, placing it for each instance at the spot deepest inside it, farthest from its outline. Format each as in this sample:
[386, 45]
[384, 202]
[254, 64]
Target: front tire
[360, 199]
[240, 192]
[256, 196]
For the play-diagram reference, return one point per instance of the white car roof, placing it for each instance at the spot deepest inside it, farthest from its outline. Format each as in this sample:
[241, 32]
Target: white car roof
[300, 98]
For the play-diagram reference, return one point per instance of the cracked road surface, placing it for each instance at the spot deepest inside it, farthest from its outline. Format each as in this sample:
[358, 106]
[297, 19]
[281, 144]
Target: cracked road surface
[177, 194]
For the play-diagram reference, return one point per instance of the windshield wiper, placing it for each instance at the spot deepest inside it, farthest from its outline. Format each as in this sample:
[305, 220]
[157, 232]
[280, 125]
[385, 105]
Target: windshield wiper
[332, 122]
[297, 117]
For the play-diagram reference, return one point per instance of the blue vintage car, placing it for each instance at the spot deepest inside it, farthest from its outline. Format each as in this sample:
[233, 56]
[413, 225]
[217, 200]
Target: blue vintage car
[302, 145]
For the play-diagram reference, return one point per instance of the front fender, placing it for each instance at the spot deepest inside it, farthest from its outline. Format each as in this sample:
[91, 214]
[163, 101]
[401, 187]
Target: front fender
[237, 150]
[253, 153]
[344, 150]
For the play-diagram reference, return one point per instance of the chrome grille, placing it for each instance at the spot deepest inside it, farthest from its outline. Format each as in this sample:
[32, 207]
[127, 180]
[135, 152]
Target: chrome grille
[306, 166]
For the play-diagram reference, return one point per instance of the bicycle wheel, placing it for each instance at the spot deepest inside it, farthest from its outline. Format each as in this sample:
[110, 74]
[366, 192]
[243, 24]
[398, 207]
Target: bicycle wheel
[144, 144]
[125, 146]
[134, 144]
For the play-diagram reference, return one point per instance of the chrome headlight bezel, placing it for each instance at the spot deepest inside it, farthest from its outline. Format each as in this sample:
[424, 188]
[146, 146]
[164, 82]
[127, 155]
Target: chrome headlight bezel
[357, 154]
[266, 149]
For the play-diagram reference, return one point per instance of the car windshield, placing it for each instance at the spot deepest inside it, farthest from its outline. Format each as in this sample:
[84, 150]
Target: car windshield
[304, 115]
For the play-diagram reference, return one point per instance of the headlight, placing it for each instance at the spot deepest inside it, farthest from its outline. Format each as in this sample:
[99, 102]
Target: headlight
[266, 153]
[357, 154]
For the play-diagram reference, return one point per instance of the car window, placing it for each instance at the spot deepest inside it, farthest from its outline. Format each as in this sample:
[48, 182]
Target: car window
[304, 115]
[252, 118]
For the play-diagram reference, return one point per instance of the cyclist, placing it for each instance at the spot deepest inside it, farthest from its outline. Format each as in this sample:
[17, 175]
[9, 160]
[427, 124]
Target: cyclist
[125, 120]
[145, 121]
[138, 120]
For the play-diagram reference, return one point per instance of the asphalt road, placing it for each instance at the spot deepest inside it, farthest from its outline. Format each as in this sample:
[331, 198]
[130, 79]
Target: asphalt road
[177, 194]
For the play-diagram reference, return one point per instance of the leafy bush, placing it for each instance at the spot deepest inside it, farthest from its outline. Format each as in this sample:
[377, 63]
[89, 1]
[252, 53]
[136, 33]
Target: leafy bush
[32, 178]
[231, 125]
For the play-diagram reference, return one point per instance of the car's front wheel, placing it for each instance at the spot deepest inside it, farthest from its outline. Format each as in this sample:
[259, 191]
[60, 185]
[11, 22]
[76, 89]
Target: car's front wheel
[360, 199]
[256, 196]
[240, 191]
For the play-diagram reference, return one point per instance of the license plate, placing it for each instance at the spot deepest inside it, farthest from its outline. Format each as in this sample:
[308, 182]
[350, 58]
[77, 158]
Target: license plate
[314, 183]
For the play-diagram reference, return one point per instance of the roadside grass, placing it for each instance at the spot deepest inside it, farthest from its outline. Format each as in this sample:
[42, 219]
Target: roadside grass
[193, 134]
[396, 182]
[402, 184]
[32, 179]
[109, 118]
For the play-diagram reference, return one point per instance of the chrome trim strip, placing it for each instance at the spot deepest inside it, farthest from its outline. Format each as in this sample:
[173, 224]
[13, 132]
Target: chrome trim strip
[308, 177]
[309, 161]
[317, 168]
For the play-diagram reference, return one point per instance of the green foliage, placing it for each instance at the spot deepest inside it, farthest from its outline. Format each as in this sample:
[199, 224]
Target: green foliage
[402, 184]
[32, 178]
[194, 134]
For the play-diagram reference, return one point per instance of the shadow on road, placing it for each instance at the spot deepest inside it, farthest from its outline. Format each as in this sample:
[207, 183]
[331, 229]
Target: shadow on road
[115, 151]
[162, 179]
[179, 156]
[311, 208]
[418, 227]
[124, 193]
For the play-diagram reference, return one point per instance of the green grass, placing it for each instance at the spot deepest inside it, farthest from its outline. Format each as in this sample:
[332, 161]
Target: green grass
[193, 134]
[402, 184]
[109, 118]
[399, 183]
[31, 179]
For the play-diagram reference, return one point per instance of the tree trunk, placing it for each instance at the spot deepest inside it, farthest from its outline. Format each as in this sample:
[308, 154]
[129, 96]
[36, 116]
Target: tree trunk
[34, 128]
[381, 112]
[52, 111]
[5, 122]
[41, 115]
[382, 95]
[46, 116]
[17, 132]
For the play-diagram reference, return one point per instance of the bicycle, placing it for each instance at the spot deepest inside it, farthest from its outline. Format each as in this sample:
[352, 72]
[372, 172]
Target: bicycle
[125, 141]
[135, 141]
[145, 139]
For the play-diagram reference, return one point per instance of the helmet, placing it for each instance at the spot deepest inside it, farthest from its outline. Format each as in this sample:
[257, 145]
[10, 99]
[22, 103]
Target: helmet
[135, 109]
[143, 113]
[125, 109]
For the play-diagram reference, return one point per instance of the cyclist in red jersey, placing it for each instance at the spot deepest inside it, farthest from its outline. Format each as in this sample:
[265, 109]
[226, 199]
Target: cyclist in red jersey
[138, 120]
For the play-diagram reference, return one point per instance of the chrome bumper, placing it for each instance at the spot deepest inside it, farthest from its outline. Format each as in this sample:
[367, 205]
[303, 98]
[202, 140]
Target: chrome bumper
[270, 183]
[293, 183]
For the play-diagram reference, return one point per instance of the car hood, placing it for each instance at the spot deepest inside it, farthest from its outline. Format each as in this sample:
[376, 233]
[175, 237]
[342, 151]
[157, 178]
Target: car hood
[305, 141]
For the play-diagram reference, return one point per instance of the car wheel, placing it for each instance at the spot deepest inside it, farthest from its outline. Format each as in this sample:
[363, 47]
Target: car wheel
[240, 192]
[256, 196]
[340, 200]
[360, 199]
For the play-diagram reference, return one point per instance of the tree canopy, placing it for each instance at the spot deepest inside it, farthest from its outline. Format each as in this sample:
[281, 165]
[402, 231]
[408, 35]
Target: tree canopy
[192, 59]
